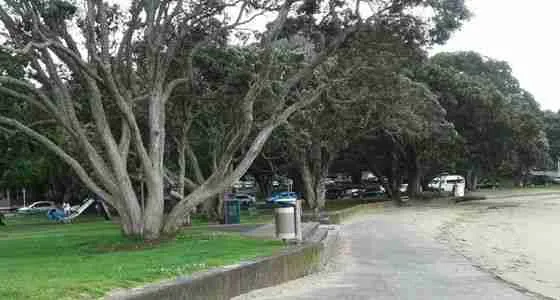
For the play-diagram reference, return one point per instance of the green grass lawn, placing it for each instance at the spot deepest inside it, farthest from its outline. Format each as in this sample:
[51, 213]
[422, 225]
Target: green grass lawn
[43, 260]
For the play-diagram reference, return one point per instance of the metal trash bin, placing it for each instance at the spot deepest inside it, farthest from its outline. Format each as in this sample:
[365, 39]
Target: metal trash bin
[232, 212]
[284, 218]
[287, 218]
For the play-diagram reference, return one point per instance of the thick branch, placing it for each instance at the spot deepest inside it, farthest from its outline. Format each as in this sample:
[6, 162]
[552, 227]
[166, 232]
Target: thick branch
[193, 161]
[74, 164]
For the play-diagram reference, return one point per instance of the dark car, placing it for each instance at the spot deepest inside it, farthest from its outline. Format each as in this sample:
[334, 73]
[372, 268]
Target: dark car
[334, 193]
[535, 180]
[374, 191]
[353, 193]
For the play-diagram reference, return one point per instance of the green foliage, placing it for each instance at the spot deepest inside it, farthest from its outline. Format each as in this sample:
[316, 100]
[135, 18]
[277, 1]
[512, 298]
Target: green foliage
[552, 128]
[449, 16]
[500, 123]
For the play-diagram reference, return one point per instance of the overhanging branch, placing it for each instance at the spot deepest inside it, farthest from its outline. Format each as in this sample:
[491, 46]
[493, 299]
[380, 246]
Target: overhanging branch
[51, 146]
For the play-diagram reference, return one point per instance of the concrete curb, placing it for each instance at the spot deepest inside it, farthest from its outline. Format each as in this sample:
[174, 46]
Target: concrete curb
[338, 217]
[228, 282]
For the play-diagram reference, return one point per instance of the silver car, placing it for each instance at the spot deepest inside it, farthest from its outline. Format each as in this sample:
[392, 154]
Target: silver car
[37, 207]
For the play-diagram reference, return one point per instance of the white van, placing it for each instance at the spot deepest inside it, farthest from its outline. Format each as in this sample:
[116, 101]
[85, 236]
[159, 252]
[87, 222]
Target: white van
[445, 183]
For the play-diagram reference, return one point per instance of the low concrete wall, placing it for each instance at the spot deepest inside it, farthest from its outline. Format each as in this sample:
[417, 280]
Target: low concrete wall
[225, 283]
[338, 216]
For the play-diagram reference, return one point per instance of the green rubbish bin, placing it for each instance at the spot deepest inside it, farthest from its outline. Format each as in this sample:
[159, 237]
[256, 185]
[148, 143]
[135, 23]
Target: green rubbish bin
[232, 211]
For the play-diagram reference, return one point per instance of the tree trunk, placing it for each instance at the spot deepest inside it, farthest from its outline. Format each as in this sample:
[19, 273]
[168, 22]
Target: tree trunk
[394, 186]
[314, 183]
[414, 172]
[131, 222]
[395, 180]
[210, 209]
[414, 182]
[220, 207]
[213, 185]
[472, 180]
[320, 192]
[264, 182]
[153, 214]
[181, 148]
[308, 186]
[356, 177]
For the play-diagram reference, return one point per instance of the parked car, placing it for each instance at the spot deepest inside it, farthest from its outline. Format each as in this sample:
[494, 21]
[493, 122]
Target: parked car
[245, 199]
[445, 183]
[334, 193]
[353, 193]
[534, 180]
[283, 198]
[330, 181]
[37, 207]
[374, 191]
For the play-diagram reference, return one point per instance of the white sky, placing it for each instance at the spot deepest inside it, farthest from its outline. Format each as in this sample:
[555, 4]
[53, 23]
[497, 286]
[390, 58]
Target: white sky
[523, 33]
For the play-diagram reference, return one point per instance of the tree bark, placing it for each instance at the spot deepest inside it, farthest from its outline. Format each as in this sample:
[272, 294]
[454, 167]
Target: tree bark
[264, 182]
[414, 176]
[313, 175]
[210, 209]
[472, 180]
[153, 215]
[181, 148]
[218, 183]
[308, 186]
[395, 180]
[356, 177]
[414, 183]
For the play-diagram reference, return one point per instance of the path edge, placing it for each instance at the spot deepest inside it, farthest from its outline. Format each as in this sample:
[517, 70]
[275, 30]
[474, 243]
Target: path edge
[231, 281]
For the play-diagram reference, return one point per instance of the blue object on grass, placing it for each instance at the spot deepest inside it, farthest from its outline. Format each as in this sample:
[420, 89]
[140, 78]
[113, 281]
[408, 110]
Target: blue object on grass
[56, 214]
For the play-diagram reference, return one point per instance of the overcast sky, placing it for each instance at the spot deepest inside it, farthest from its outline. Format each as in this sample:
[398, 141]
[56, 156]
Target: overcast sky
[523, 33]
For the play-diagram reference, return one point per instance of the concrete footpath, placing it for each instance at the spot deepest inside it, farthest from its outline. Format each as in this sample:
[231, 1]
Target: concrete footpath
[383, 258]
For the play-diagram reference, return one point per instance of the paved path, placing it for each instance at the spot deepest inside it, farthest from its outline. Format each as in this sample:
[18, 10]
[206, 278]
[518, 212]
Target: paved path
[385, 259]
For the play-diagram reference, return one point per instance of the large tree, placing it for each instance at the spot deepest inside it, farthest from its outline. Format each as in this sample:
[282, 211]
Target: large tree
[500, 123]
[552, 128]
[122, 63]
[376, 93]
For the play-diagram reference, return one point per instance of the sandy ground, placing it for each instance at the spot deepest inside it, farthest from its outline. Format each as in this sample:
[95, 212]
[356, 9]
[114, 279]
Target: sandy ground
[514, 238]
[517, 239]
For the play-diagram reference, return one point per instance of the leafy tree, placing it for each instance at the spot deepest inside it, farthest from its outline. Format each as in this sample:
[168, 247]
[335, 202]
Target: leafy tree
[499, 122]
[552, 128]
[125, 70]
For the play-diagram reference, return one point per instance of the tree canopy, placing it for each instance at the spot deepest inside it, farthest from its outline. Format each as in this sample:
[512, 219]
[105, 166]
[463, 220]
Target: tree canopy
[156, 97]
[161, 106]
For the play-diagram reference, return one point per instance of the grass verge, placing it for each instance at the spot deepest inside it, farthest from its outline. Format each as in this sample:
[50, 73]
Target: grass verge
[85, 260]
